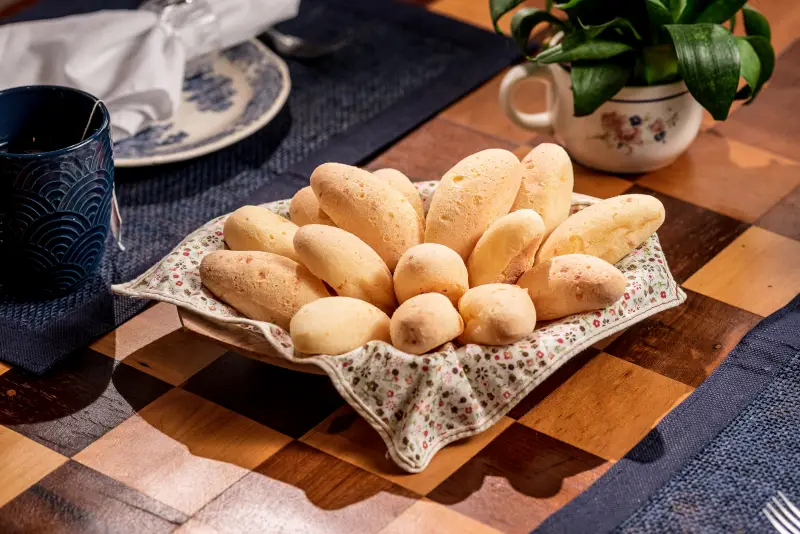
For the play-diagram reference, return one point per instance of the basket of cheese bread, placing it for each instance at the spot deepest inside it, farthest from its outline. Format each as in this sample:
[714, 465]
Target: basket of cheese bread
[433, 307]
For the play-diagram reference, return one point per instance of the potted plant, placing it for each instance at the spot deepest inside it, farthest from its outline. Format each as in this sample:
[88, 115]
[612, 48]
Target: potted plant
[639, 73]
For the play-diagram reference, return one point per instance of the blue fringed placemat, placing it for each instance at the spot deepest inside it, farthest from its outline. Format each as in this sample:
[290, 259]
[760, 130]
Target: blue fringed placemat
[403, 66]
[714, 462]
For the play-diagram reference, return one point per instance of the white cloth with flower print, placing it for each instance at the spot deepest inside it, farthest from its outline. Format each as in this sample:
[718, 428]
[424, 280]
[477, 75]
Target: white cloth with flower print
[419, 404]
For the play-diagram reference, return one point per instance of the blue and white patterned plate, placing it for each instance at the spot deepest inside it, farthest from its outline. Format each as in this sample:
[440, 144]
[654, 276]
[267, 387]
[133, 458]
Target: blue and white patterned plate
[245, 89]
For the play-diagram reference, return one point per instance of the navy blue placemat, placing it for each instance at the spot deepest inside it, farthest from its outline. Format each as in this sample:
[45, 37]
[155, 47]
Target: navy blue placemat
[403, 66]
[712, 463]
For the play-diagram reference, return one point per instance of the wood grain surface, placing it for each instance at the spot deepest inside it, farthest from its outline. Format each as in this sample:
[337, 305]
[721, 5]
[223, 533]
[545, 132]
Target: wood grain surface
[97, 503]
[696, 236]
[758, 272]
[182, 450]
[77, 402]
[171, 423]
[607, 406]
[148, 342]
[288, 401]
[519, 479]
[347, 436]
[688, 342]
[727, 176]
[784, 217]
[478, 110]
[768, 122]
[302, 489]
[433, 148]
[427, 517]
[22, 463]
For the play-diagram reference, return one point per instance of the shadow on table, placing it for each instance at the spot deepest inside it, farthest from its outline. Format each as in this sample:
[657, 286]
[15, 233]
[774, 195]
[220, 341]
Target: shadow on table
[650, 449]
[240, 413]
[337, 440]
[90, 394]
[71, 386]
[75, 403]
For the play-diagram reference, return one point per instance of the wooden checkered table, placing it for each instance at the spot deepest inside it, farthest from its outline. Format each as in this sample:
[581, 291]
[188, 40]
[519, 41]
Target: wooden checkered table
[154, 428]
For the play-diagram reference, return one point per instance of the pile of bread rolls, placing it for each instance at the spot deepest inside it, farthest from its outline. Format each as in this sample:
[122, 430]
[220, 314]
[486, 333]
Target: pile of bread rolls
[360, 261]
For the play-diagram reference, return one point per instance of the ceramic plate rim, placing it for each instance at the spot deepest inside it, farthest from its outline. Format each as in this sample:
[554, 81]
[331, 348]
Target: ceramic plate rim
[235, 137]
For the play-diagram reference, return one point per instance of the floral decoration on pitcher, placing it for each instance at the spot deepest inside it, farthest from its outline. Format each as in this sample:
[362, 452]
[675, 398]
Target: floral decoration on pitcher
[626, 132]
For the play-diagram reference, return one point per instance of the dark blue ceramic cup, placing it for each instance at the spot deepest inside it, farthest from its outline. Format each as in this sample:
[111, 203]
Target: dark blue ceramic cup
[56, 185]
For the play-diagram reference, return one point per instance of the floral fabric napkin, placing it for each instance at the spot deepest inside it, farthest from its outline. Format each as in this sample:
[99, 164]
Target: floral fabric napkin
[419, 404]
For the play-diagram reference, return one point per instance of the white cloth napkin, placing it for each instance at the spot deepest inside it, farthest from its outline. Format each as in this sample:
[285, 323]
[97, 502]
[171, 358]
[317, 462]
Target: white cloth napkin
[133, 60]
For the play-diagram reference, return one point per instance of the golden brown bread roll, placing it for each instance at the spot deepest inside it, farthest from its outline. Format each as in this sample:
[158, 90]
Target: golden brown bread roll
[609, 229]
[304, 209]
[496, 314]
[400, 181]
[472, 195]
[337, 325]
[257, 228]
[507, 249]
[546, 185]
[572, 283]
[424, 322]
[346, 263]
[369, 208]
[430, 268]
[261, 285]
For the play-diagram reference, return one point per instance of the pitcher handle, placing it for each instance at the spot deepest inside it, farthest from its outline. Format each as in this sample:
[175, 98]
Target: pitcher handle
[539, 122]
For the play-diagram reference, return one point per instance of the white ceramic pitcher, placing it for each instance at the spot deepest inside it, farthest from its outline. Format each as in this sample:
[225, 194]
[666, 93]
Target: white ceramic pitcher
[640, 129]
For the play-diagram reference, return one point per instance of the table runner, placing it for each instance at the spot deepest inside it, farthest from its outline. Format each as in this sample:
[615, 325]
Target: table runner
[712, 463]
[403, 66]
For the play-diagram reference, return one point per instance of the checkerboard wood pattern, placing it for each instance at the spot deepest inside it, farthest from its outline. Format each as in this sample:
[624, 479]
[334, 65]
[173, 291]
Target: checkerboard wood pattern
[154, 428]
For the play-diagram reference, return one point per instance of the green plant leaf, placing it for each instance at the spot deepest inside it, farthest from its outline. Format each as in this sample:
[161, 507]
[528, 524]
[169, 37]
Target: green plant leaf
[750, 66]
[498, 8]
[601, 11]
[588, 50]
[592, 31]
[548, 5]
[719, 11]
[524, 20]
[691, 11]
[676, 7]
[658, 14]
[594, 82]
[660, 64]
[716, 11]
[571, 4]
[732, 22]
[755, 23]
[766, 55]
[708, 61]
